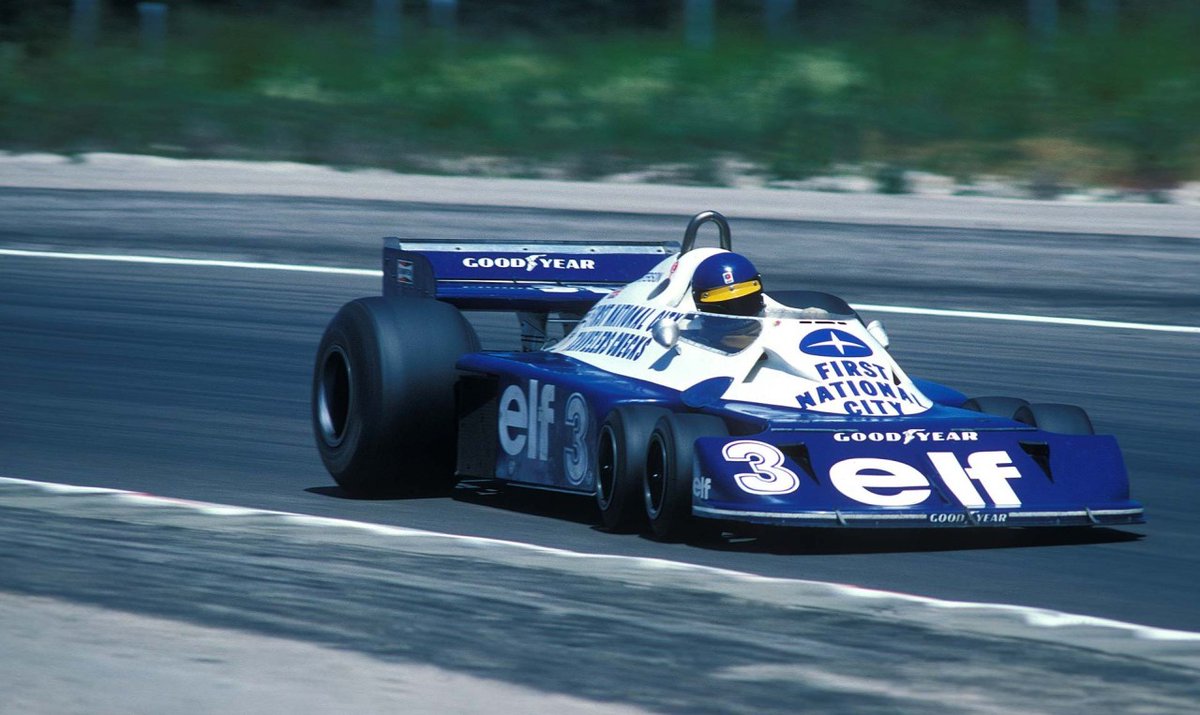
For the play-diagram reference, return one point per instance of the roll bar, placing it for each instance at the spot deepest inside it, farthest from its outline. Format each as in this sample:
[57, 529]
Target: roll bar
[689, 236]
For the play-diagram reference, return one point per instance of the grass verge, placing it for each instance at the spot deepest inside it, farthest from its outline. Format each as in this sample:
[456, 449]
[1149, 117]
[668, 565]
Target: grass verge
[1121, 110]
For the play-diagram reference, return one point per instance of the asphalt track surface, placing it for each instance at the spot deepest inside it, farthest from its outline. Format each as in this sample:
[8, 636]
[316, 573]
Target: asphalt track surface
[192, 382]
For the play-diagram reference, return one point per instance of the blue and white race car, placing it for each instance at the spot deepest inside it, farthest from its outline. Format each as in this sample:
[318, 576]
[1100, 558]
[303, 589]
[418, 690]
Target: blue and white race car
[679, 394]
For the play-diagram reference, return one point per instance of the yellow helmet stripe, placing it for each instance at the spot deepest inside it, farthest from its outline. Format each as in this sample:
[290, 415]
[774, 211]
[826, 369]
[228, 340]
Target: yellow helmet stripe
[737, 290]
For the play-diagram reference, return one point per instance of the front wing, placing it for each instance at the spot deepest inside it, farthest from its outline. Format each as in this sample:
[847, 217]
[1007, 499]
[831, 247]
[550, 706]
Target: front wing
[913, 478]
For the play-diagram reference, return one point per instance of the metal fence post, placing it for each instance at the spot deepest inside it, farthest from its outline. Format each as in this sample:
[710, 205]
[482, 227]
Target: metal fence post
[699, 21]
[85, 22]
[152, 27]
[443, 15]
[779, 16]
[1102, 16]
[1043, 19]
[386, 22]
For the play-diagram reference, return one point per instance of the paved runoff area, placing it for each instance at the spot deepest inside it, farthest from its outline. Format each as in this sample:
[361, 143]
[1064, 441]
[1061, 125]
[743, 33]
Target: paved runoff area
[144, 173]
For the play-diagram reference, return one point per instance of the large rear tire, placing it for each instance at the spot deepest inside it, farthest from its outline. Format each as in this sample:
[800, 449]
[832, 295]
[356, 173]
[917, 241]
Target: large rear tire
[383, 395]
[667, 486]
[621, 465]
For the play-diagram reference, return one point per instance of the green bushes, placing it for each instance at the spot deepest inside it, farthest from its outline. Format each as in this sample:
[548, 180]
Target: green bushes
[1119, 109]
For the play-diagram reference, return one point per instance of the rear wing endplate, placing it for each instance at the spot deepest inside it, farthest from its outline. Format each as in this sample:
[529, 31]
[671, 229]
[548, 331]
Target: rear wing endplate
[534, 276]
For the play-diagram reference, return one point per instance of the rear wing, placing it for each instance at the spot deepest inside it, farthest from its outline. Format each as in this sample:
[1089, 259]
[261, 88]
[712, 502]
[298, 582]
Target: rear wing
[531, 276]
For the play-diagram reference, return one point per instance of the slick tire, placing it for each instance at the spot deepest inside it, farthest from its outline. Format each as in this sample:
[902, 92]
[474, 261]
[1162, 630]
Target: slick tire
[383, 410]
[667, 485]
[996, 405]
[620, 467]
[1060, 419]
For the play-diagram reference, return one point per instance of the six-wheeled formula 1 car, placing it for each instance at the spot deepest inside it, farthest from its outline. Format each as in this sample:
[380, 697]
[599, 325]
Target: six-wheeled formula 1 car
[674, 402]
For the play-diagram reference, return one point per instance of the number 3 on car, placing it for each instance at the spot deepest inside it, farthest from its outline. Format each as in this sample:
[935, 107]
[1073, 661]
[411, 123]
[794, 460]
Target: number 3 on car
[769, 476]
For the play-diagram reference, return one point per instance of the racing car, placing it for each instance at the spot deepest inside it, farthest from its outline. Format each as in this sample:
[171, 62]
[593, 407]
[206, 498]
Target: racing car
[661, 379]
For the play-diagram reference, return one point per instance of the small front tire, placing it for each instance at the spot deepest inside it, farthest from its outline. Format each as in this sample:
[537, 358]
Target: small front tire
[1056, 418]
[624, 437]
[996, 405]
[670, 458]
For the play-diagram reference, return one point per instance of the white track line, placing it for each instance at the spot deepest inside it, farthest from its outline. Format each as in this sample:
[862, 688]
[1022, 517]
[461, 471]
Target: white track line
[1014, 317]
[1034, 617]
[166, 261]
[906, 310]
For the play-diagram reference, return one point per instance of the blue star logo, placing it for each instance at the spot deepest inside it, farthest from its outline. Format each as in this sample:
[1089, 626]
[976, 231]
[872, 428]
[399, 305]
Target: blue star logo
[834, 343]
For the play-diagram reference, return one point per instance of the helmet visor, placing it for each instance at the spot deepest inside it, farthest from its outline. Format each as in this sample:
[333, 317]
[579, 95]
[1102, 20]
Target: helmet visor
[721, 294]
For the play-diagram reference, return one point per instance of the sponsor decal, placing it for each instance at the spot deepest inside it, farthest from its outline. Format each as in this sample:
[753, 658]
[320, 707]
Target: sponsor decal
[861, 397]
[853, 368]
[727, 276]
[526, 423]
[625, 315]
[991, 470]
[879, 482]
[575, 453]
[886, 482]
[615, 330]
[611, 343]
[861, 386]
[907, 436]
[834, 343]
[525, 419]
[974, 517]
[404, 272]
[701, 487]
[531, 262]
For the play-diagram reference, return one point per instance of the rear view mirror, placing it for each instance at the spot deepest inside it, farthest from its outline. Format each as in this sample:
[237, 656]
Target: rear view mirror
[875, 328]
[665, 332]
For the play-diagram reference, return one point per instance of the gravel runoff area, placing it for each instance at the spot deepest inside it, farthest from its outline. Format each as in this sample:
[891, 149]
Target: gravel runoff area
[66, 658]
[146, 173]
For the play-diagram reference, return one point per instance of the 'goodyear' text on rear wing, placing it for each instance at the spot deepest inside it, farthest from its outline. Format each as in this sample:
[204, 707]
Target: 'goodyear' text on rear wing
[535, 276]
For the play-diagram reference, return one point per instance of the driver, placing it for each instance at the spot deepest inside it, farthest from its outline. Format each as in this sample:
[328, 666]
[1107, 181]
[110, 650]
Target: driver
[729, 284]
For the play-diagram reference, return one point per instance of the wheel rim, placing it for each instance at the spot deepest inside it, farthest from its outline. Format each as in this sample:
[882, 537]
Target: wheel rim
[656, 476]
[334, 396]
[606, 466]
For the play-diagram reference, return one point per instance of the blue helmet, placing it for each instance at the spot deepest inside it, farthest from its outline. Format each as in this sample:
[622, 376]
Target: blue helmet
[727, 283]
